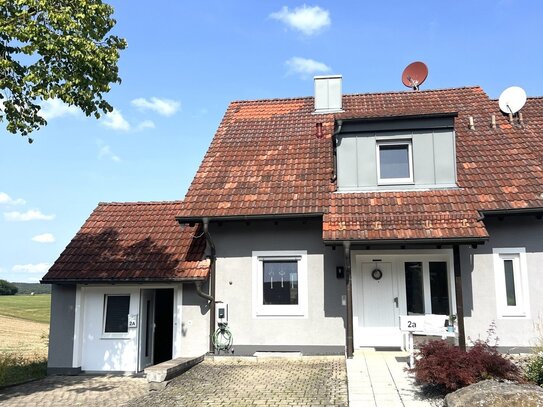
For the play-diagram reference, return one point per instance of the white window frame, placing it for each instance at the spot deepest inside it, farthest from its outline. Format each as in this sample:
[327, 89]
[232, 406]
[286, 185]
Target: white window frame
[261, 310]
[394, 181]
[108, 335]
[520, 274]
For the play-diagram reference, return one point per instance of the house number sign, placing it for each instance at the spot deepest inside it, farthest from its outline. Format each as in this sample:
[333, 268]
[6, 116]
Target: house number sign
[133, 320]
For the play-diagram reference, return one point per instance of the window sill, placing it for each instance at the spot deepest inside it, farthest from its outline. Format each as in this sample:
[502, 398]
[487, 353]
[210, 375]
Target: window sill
[278, 311]
[116, 335]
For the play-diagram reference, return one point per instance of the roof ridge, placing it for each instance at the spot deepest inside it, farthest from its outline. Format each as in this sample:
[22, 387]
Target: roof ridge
[140, 203]
[295, 98]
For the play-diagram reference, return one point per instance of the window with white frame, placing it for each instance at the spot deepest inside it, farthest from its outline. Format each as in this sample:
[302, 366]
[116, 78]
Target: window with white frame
[280, 284]
[511, 282]
[394, 161]
[116, 310]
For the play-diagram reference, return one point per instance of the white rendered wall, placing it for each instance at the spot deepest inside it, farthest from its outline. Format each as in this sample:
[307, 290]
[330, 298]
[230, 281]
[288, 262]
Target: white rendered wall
[107, 354]
[96, 352]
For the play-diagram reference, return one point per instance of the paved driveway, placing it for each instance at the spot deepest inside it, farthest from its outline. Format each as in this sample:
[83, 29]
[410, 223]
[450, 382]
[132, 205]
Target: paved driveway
[307, 381]
[71, 391]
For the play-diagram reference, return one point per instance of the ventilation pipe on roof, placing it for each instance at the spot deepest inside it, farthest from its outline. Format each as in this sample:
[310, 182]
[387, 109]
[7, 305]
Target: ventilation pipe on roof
[328, 97]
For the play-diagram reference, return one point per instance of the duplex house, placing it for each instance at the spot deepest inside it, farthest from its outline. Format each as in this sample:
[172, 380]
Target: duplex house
[316, 223]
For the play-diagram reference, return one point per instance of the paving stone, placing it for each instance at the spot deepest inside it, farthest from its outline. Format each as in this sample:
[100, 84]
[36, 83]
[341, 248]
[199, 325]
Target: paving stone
[82, 390]
[306, 381]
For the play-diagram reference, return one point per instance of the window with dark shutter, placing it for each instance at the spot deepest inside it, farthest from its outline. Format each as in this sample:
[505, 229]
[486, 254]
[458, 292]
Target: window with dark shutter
[116, 315]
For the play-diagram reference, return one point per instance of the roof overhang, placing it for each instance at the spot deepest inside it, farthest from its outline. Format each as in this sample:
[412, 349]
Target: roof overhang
[426, 242]
[120, 281]
[379, 123]
[290, 216]
[511, 212]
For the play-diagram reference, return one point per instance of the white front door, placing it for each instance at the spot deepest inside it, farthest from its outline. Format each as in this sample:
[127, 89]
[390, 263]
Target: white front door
[376, 313]
[147, 328]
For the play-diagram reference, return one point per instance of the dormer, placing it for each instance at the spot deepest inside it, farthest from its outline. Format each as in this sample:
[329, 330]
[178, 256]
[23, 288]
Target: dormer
[398, 153]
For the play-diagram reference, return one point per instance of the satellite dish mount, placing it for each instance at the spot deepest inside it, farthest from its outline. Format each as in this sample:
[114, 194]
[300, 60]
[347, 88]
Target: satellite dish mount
[414, 75]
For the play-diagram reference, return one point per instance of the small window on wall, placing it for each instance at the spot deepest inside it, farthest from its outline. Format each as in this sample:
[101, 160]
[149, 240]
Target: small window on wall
[511, 282]
[116, 310]
[280, 284]
[394, 162]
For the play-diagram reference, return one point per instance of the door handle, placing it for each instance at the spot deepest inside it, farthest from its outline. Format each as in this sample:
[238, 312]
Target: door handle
[396, 301]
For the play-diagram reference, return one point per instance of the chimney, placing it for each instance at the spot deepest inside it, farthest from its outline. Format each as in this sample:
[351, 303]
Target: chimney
[328, 94]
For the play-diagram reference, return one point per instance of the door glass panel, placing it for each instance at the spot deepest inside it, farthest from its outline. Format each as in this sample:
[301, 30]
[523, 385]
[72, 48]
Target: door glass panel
[439, 288]
[509, 283]
[414, 288]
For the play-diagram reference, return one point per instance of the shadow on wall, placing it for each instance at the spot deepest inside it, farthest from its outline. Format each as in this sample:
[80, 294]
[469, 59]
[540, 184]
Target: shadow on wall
[123, 353]
[107, 255]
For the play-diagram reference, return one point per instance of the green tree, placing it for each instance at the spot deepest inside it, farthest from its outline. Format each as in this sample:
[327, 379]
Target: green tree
[55, 49]
[7, 288]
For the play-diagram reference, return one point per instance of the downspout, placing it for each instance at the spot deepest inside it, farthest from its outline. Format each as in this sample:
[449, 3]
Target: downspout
[211, 296]
[349, 288]
[334, 150]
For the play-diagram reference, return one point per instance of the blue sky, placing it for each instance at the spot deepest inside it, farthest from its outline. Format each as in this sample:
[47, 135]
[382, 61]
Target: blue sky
[186, 61]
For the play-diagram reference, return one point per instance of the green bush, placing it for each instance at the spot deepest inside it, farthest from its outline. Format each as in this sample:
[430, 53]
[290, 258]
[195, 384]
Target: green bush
[6, 288]
[17, 368]
[534, 369]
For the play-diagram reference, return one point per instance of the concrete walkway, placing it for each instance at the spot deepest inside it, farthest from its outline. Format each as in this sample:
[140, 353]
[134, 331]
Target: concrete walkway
[379, 379]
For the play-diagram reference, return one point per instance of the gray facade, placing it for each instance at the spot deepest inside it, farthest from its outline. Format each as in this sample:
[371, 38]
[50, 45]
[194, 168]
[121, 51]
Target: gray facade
[322, 329]
[195, 323]
[61, 330]
[479, 282]
[433, 154]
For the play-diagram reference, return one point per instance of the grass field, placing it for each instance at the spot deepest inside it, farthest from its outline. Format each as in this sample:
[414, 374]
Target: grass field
[35, 308]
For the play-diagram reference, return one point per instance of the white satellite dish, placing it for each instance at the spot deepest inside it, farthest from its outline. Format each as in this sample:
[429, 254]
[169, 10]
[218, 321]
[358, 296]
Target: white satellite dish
[512, 99]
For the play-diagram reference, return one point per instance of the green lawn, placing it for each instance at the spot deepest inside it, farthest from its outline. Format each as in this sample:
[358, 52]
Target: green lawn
[30, 307]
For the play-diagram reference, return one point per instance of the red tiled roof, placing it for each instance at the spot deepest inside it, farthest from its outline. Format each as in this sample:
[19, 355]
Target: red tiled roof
[133, 242]
[266, 160]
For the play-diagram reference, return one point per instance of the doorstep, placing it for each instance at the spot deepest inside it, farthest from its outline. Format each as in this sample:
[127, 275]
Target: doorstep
[166, 371]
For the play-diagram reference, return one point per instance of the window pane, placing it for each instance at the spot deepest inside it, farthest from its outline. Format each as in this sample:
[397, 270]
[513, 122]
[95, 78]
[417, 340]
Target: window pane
[280, 282]
[117, 313]
[439, 288]
[509, 283]
[394, 161]
[414, 288]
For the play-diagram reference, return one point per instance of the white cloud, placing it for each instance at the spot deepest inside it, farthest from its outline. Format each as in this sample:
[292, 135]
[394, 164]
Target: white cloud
[31, 268]
[106, 152]
[305, 66]
[116, 121]
[146, 124]
[53, 108]
[31, 214]
[7, 200]
[44, 238]
[164, 107]
[308, 20]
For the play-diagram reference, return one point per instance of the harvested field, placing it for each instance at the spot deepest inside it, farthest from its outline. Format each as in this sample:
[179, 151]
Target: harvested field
[23, 337]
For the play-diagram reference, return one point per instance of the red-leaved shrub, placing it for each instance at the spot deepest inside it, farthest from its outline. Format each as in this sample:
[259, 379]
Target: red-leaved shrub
[447, 368]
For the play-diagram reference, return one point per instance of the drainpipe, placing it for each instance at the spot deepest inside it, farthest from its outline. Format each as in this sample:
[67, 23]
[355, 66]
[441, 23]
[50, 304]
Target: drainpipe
[211, 296]
[334, 151]
[348, 280]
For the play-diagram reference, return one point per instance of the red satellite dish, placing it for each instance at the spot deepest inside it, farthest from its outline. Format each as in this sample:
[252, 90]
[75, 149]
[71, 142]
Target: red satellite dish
[414, 75]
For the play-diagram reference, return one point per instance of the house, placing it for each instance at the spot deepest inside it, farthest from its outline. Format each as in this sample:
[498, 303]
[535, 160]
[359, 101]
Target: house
[316, 222]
